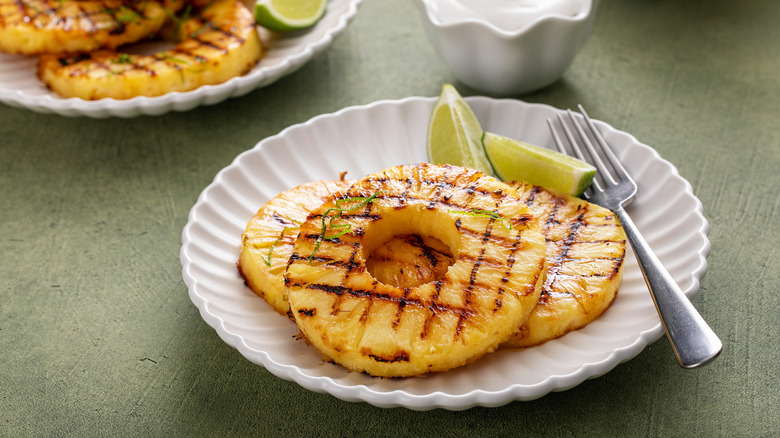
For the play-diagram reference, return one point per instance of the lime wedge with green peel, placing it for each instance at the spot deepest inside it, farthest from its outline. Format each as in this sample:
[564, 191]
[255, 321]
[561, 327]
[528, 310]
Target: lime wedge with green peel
[515, 160]
[289, 15]
[454, 133]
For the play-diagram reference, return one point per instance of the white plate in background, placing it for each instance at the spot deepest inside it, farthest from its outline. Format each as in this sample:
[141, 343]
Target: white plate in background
[285, 53]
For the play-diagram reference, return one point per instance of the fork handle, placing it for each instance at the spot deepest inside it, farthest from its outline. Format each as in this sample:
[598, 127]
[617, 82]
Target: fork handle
[693, 341]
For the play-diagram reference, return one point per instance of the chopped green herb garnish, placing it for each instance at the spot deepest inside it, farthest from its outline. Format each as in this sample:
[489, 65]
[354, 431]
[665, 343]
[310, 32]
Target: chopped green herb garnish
[170, 58]
[196, 33]
[267, 260]
[123, 58]
[488, 214]
[126, 15]
[178, 20]
[340, 208]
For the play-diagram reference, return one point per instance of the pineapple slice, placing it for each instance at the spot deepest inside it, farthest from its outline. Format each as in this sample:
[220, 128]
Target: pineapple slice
[385, 330]
[66, 26]
[217, 44]
[586, 246]
[268, 239]
[267, 242]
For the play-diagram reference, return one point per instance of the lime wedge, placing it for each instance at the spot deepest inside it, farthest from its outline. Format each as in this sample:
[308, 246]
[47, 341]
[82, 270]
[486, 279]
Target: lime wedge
[515, 160]
[288, 15]
[454, 133]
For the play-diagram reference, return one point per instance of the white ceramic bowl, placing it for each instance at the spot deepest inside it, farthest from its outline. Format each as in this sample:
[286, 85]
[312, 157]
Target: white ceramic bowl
[504, 61]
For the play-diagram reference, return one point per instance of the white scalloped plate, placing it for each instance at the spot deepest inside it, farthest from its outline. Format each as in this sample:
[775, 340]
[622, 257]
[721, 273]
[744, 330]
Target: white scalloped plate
[285, 53]
[369, 138]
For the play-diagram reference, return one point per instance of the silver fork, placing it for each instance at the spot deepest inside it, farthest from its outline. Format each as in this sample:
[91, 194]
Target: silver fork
[693, 341]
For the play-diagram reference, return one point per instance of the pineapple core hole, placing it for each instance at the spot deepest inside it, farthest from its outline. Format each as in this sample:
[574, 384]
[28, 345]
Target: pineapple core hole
[410, 246]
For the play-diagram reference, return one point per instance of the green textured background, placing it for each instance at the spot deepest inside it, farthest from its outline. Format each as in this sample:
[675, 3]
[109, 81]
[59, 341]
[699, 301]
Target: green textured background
[99, 338]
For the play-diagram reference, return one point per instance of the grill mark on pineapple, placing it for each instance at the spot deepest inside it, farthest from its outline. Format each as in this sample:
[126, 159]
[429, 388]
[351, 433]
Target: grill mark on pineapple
[401, 356]
[84, 17]
[352, 216]
[617, 263]
[463, 318]
[65, 61]
[501, 241]
[575, 226]
[73, 62]
[294, 257]
[427, 252]
[510, 262]
[335, 307]
[367, 310]
[307, 312]
[276, 217]
[433, 305]
[488, 261]
[438, 195]
[25, 9]
[214, 46]
[427, 323]
[401, 305]
[548, 295]
[435, 186]
[551, 220]
[556, 262]
[531, 197]
[353, 265]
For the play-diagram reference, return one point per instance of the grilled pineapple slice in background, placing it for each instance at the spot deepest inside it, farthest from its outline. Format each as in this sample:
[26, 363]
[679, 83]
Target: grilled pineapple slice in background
[386, 330]
[219, 43]
[269, 236]
[586, 246]
[34, 27]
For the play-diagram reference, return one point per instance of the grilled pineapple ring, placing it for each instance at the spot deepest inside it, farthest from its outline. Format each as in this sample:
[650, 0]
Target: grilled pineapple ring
[267, 242]
[66, 26]
[385, 330]
[586, 247]
[269, 236]
[220, 42]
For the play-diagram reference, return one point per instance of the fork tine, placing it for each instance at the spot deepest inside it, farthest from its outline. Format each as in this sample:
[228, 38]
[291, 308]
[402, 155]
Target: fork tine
[559, 144]
[596, 160]
[556, 138]
[605, 148]
[569, 137]
[574, 144]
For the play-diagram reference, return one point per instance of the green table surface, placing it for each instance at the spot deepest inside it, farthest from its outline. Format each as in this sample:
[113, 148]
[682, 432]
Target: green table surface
[99, 338]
